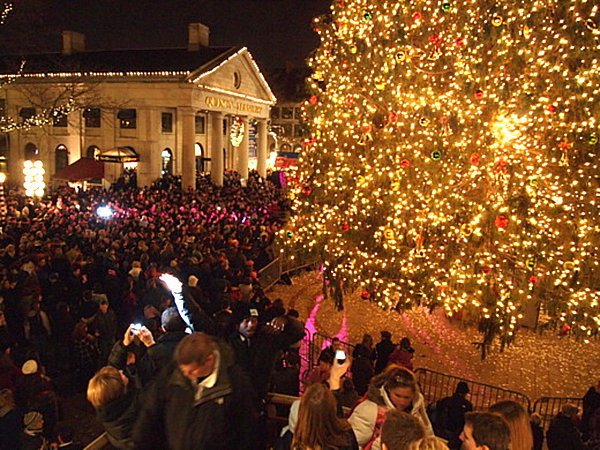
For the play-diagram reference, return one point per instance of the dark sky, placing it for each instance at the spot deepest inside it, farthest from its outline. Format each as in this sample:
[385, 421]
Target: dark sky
[275, 31]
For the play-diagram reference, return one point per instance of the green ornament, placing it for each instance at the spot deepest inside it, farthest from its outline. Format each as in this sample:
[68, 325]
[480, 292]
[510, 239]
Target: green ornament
[530, 263]
[368, 15]
[446, 6]
[290, 234]
[533, 181]
[436, 155]
[593, 139]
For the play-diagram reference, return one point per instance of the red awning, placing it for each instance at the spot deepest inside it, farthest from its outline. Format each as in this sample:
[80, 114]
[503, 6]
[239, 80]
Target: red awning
[81, 170]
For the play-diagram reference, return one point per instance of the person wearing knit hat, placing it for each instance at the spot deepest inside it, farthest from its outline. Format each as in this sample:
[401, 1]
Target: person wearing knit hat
[31, 437]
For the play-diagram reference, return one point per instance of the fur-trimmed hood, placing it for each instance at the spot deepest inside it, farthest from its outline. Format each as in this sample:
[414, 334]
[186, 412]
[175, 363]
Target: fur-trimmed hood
[379, 395]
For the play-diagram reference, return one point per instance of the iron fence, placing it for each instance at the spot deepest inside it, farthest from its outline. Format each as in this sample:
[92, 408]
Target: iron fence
[437, 385]
[548, 407]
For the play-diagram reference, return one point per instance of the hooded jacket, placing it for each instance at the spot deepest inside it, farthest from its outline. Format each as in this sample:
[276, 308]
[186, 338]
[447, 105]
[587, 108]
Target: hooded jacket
[118, 418]
[364, 418]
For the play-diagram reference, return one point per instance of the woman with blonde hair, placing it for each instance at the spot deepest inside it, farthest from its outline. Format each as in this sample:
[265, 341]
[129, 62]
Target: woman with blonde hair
[318, 426]
[428, 443]
[516, 416]
[395, 388]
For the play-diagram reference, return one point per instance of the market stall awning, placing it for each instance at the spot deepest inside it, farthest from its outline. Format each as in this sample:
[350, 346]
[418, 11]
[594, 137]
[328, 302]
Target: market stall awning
[118, 155]
[81, 170]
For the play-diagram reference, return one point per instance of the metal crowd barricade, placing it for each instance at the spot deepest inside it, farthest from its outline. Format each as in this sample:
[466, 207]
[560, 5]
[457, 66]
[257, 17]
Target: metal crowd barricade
[320, 341]
[270, 274]
[437, 385]
[548, 407]
[100, 443]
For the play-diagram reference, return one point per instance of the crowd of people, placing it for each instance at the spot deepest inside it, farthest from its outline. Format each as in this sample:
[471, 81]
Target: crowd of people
[152, 306]
[78, 267]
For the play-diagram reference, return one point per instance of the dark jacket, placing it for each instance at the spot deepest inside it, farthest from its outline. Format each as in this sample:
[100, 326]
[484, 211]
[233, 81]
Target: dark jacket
[224, 417]
[591, 402]
[383, 350]
[259, 357]
[118, 418]
[563, 434]
[162, 352]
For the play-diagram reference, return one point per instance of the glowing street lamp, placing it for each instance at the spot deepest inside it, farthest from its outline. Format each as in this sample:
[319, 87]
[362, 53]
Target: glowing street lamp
[34, 178]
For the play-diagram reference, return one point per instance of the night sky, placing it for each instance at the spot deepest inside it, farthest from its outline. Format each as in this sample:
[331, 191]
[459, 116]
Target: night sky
[275, 31]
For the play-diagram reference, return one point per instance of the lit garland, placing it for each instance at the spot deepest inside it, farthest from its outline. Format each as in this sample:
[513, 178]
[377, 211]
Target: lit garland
[236, 134]
[45, 117]
[7, 8]
[453, 158]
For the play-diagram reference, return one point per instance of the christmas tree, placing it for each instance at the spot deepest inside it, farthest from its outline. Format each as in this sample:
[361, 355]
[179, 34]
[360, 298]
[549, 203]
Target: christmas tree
[452, 158]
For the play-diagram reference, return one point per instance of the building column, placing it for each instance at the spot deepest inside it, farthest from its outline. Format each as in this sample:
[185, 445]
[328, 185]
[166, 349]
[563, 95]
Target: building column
[188, 154]
[216, 147]
[261, 164]
[242, 151]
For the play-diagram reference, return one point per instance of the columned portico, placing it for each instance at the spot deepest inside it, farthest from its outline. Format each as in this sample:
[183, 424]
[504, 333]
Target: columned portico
[242, 151]
[216, 150]
[261, 164]
[188, 155]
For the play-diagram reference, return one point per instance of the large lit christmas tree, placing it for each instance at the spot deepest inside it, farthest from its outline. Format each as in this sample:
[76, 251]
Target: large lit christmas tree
[452, 158]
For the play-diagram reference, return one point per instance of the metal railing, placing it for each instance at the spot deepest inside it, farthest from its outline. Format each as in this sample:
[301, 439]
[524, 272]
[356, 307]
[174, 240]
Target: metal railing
[100, 443]
[549, 407]
[437, 385]
[282, 265]
[319, 342]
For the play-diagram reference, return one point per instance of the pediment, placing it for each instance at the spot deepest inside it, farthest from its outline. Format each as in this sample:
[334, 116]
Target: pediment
[235, 73]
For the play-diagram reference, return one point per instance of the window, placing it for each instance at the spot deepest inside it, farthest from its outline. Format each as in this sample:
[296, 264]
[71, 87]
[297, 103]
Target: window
[299, 130]
[200, 124]
[32, 152]
[127, 118]
[92, 117]
[92, 151]
[60, 120]
[297, 113]
[224, 127]
[166, 120]
[287, 113]
[61, 158]
[237, 79]
[3, 144]
[287, 130]
[274, 112]
[27, 113]
[2, 107]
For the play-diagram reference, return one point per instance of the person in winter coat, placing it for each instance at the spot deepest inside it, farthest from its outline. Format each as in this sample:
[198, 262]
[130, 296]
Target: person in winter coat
[591, 403]
[562, 433]
[116, 404]
[202, 400]
[395, 388]
[383, 350]
[318, 425]
[403, 355]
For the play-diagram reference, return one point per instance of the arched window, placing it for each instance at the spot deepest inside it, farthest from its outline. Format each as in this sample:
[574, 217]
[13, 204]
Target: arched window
[167, 161]
[92, 151]
[32, 152]
[61, 158]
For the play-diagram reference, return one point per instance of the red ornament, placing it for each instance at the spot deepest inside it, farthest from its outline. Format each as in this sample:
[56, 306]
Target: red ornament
[313, 99]
[345, 64]
[417, 16]
[551, 109]
[479, 93]
[475, 159]
[365, 295]
[345, 226]
[392, 117]
[533, 279]
[307, 190]
[501, 166]
[486, 269]
[460, 42]
[501, 221]
[419, 239]
[350, 100]
[405, 163]
[435, 39]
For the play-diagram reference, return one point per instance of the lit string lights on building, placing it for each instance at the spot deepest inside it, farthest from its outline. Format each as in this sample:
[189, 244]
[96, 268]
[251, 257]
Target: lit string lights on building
[453, 158]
